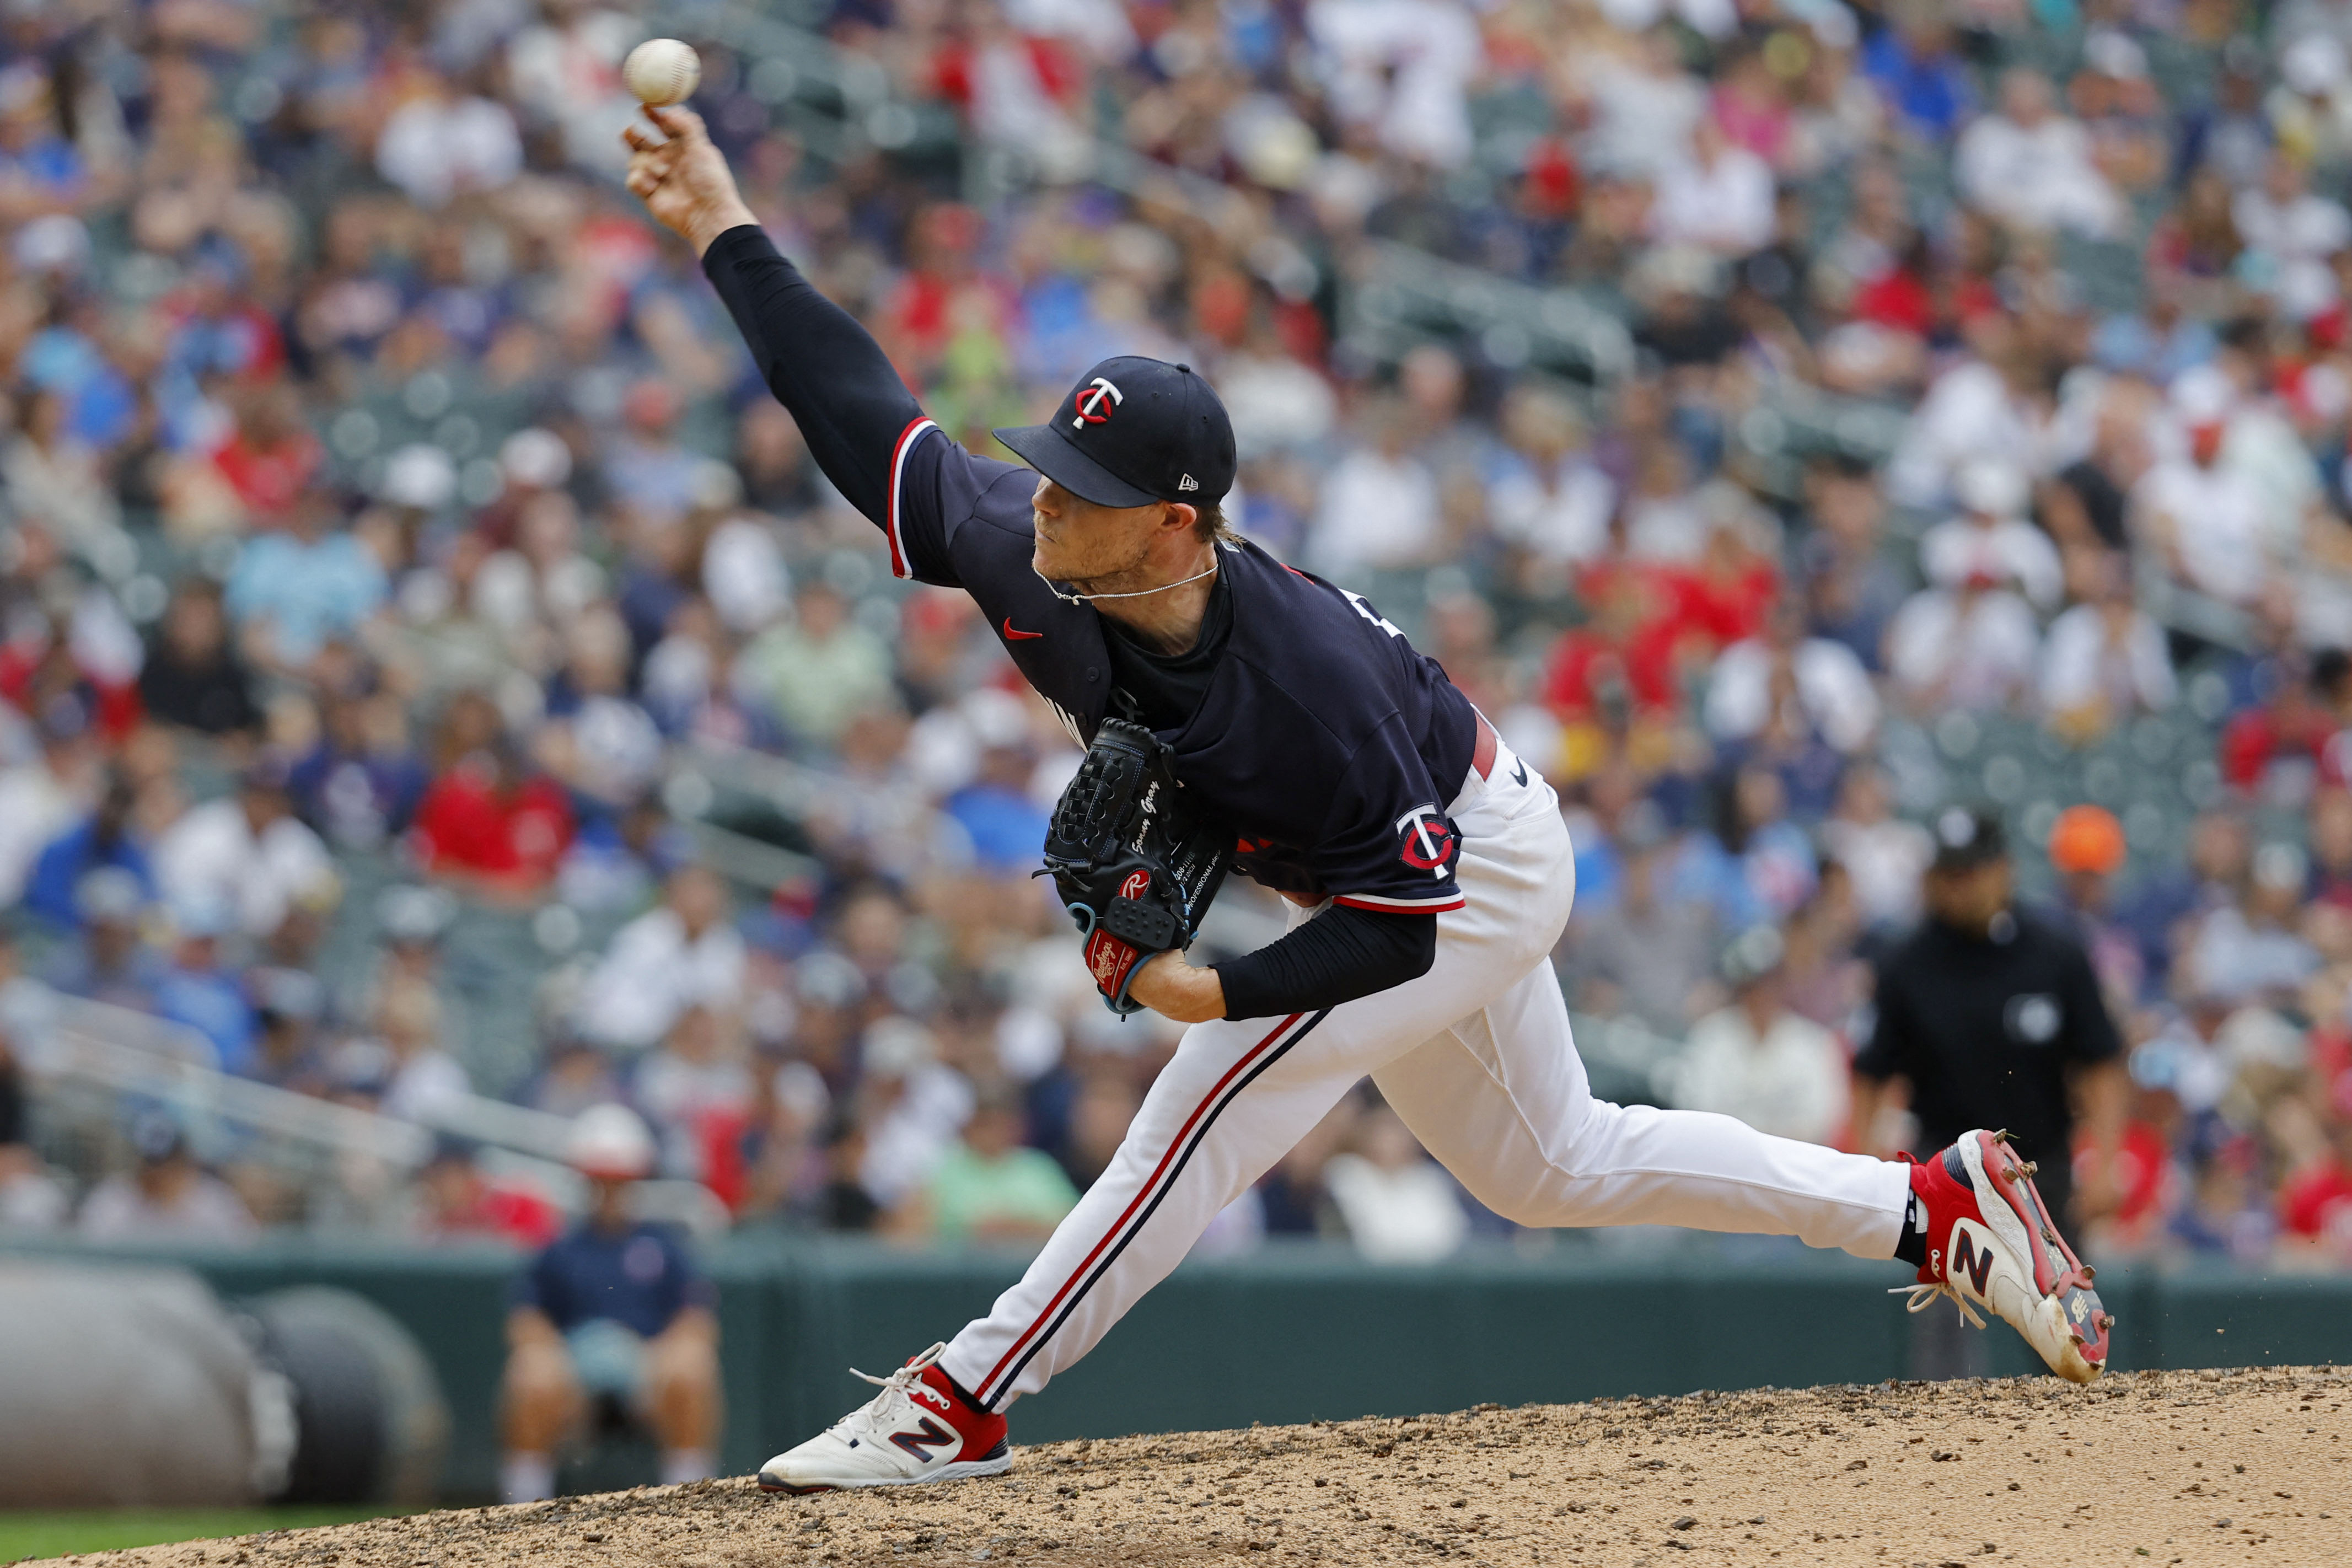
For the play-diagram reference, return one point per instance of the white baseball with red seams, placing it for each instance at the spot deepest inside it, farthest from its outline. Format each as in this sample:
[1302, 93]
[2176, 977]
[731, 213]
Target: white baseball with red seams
[661, 71]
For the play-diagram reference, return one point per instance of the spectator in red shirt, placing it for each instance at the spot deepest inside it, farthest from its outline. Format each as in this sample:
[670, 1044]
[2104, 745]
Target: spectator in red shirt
[487, 820]
[2315, 1205]
[2141, 1176]
[2280, 749]
[1726, 596]
[273, 456]
[459, 1203]
[1623, 658]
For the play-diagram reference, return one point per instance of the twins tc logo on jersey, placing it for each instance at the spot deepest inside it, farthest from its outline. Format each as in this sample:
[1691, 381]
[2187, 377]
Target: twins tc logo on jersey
[1428, 840]
[1094, 402]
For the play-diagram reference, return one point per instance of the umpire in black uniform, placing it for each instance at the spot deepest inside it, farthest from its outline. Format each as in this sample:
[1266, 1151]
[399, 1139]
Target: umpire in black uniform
[1994, 1019]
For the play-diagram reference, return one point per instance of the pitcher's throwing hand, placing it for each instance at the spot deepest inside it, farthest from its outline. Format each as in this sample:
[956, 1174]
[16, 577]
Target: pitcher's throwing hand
[683, 178]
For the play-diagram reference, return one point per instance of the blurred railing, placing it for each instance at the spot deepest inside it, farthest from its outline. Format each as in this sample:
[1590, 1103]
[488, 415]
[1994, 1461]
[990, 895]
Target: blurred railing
[95, 1061]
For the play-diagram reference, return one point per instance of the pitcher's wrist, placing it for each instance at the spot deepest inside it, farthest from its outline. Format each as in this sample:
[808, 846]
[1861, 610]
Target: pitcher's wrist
[703, 232]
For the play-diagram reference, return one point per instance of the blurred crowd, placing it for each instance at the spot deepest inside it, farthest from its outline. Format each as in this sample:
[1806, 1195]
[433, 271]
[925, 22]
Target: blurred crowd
[397, 538]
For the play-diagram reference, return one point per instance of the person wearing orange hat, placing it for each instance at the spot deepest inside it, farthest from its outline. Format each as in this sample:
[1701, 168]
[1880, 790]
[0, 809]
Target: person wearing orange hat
[2087, 849]
[2086, 840]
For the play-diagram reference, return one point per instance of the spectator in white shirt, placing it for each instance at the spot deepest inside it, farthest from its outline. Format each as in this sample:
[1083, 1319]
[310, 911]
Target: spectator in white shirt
[1380, 503]
[606, 746]
[248, 853]
[695, 1084]
[1812, 685]
[2253, 950]
[1662, 518]
[1773, 1069]
[1399, 1204]
[1276, 401]
[1990, 539]
[2031, 167]
[1993, 406]
[438, 145]
[1404, 67]
[2104, 660]
[1720, 196]
[170, 1198]
[1645, 105]
[2298, 231]
[1550, 499]
[910, 1106]
[1975, 645]
[684, 954]
[426, 1080]
[1884, 856]
[2207, 518]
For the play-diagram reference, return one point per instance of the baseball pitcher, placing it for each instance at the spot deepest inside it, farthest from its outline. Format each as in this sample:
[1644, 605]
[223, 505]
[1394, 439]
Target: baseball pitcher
[1243, 716]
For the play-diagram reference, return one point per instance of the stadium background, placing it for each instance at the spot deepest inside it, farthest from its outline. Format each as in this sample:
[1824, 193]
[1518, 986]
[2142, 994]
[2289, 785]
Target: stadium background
[1784, 419]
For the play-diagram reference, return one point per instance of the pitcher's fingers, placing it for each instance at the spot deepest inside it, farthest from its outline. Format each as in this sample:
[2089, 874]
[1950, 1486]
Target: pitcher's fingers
[635, 138]
[684, 124]
[642, 179]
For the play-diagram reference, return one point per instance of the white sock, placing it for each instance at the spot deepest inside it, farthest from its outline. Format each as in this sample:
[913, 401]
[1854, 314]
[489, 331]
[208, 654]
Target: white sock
[525, 1476]
[680, 1465]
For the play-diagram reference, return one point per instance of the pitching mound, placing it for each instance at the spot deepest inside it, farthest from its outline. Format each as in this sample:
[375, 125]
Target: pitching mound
[2161, 1468]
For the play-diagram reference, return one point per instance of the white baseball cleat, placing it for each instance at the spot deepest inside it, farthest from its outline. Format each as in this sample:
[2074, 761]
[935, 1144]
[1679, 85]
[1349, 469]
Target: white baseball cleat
[919, 1428]
[1992, 1243]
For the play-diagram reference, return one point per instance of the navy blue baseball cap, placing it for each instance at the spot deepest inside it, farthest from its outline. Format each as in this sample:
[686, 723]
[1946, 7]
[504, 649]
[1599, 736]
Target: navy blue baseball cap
[1134, 431]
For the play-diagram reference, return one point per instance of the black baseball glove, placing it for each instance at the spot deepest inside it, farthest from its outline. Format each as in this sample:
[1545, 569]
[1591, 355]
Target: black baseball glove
[1135, 866]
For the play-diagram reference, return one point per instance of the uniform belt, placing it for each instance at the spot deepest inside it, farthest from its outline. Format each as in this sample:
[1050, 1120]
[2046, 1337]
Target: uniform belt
[1482, 756]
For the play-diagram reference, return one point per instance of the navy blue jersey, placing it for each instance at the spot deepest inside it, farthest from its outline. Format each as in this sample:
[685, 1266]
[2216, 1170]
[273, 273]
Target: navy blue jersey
[640, 1278]
[1325, 742]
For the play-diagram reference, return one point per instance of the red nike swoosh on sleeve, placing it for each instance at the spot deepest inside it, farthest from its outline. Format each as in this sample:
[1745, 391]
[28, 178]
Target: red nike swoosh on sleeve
[1018, 636]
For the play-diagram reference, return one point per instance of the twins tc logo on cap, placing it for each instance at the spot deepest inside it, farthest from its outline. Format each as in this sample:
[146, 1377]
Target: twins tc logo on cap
[1094, 402]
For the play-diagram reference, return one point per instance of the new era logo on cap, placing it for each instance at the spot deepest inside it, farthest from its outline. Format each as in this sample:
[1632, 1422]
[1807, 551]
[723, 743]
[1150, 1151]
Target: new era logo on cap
[1137, 430]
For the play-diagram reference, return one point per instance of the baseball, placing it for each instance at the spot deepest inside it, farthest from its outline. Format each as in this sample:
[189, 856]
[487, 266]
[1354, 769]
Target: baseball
[661, 71]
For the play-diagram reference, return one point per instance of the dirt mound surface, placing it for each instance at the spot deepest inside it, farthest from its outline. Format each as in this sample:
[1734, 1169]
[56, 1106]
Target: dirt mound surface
[2182, 1468]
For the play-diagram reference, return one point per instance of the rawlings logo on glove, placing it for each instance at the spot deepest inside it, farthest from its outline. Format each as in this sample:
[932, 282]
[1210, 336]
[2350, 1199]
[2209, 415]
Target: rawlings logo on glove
[1136, 871]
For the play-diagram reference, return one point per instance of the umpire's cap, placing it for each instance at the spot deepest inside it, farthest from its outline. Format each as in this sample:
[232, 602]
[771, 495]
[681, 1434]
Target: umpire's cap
[1134, 431]
[1965, 837]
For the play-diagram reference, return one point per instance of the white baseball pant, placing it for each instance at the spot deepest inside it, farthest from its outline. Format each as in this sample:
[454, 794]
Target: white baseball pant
[1476, 1055]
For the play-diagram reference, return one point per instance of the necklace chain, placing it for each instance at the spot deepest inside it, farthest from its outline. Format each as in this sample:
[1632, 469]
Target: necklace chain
[1138, 594]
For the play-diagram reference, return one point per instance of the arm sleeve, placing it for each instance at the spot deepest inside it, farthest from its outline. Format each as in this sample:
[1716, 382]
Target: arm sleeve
[1338, 956]
[855, 413]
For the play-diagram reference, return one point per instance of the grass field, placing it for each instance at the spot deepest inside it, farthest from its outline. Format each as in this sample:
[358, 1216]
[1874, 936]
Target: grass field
[44, 1534]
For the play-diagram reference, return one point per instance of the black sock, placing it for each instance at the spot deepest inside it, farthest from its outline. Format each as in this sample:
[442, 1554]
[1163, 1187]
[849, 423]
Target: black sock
[1911, 1247]
[965, 1393]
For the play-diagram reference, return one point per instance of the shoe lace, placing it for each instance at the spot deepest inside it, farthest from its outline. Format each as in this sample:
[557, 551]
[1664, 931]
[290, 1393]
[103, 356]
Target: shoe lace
[1923, 1297]
[900, 1387]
